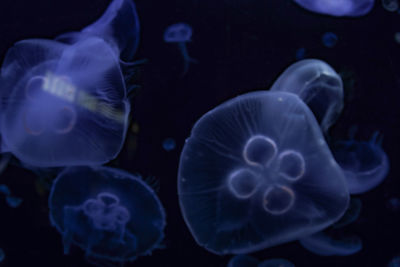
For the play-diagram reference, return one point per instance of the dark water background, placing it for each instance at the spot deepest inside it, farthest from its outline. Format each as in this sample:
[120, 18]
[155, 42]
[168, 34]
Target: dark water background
[241, 46]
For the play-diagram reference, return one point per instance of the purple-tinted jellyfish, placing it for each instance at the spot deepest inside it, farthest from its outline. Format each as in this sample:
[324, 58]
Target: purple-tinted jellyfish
[338, 8]
[256, 172]
[243, 261]
[325, 244]
[62, 104]
[276, 263]
[318, 85]
[109, 213]
[364, 163]
[118, 26]
[180, 33]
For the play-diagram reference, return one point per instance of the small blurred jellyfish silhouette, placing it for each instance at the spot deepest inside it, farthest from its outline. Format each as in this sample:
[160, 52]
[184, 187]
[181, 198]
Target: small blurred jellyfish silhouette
[118, 26]
[169, 144]
[2, 255]
[243, 260]
[390, 5]
[256, 172]
[318, 85]
[180, 33]
[338, 8]
[364, 163]
[329, 39]
[326, 244]
[63, 104]
[276, 263]
[107, 212]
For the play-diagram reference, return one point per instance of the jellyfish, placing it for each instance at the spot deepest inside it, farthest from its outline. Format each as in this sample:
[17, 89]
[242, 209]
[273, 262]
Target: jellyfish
[351, 215]
[118, 26]
[318, 85]
[390, 5]
[107, 212]
[5, 190]
[243, 261]
[169, 144]
[13, 201]
[364, 163]
[256, 172]
[329, 39]
[338, 8]
[62, 105]
[300, 53]
[2, 255]
[395, 262]
[180, 33]
[276, 263]
[325, 244]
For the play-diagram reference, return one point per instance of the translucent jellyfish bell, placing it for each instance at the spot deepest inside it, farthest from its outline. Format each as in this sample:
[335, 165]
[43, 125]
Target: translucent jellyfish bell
[338, 8]
[62, 104]
[256, 172]
[318, 85]
[180, 33]
[109, 213]
[364, 163]
[118, 26]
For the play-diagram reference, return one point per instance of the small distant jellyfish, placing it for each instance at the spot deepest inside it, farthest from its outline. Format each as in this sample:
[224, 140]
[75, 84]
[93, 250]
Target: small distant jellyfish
[394, 204]
[276, 263]
[62, 104]
[2, 255]
[325, 245]
[390, 5]
[169, 144]
[109, 213]
[318, 85]
[180, 33]
[364, 163]
[397, 37]
[256, 172]
[14, 202]
[329, 39]
[243, 261]
[338, 8]
[300, 53]
[5, 190]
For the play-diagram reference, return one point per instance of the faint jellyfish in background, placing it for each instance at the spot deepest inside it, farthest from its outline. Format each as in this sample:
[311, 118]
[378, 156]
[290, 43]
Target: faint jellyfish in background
[2, 255]
[393, 204]
[109, 213]
[327, 244]
[364, 163]
[180, 33]
[5, 190]
[13, 202]
[349, 8]
[397, 37]
[256, 172]
[390, 5]
[169, 144]
[395, 262]
[118, 26]
[329, 39]
[300, 53]
[276, 263]
[318, 85]
[351, 215]
[62, 104]
[243, 261]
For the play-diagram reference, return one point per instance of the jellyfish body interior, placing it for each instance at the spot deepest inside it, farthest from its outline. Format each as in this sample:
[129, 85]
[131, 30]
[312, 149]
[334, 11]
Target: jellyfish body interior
[180, 33]
[111, 214]
[364, 163]
[318, 85]
[63, 104]
[250, 175]
[350, 8]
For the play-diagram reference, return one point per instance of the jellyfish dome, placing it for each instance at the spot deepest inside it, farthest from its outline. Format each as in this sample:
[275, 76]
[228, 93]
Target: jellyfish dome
[256, 172]
[118, 26]
[364, 163]
[109, 213]
[338, 8]
[318, 85]
[63, 105]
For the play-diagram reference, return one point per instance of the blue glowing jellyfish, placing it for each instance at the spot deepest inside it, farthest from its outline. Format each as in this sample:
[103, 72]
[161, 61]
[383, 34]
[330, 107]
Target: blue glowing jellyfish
[5, 190]
[329, 39]
[276, 263]
[118, 26]
[109, 213]
[62, 104]
[180, 33]
[338, 8]
[243, 261]
[256, 172]
[390, 5]
[351, 215]
[2, 255]
[325, 244]
[169, 144]
[318, 85]
[300, 53]
[364, 163]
